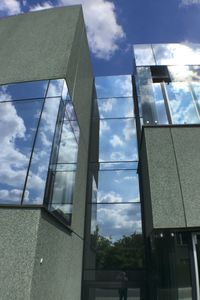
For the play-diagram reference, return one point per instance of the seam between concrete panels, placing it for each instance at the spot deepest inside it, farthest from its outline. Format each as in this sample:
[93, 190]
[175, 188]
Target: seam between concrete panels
[178, 173]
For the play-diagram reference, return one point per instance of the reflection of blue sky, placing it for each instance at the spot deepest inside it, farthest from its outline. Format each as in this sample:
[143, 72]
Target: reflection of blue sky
[143, 55]
[113, 86]
[17, 128]
[167, 54]
[26, 90]
[182, 104]
[116, 220]
[19, 120]
[160, 105]
[115, 107]
[118, 140]
[118, 186]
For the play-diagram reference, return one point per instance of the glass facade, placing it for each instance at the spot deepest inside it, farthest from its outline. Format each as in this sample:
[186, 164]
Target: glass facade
[114, 245]
[167, 93]
[167, 82]
[39, 143]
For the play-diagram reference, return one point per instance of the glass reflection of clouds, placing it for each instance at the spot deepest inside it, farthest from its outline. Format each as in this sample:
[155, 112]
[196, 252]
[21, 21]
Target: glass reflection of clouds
[115, 204]
[113, 86]
[117, 220]
[182, 104]
[167, 54]
[25, 90]
[143, 55]
[117, 140]
[17, 129]
[116, 186]
[116, 107]
[30, 117]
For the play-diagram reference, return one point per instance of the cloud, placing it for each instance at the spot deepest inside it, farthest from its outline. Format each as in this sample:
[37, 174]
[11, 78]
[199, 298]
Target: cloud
[116, 141]
[103, 30]
[10, 7]
[185, 3]
[117, 220]
[42, 6]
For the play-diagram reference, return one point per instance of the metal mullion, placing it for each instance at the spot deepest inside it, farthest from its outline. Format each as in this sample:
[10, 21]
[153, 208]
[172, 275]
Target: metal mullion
[166, 101]
[194, 98]
[53, 141]
[194, 240]
[34, 142]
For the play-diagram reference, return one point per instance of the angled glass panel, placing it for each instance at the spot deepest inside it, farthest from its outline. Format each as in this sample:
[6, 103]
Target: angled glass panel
[18, 125]
[63, 187]
[116, 107]
[118, 186]
[37, 176]
[68, 148]
[113, 86]
[118, 140]
[143, 55]
[20, 91]
[182, 104]
[55, 88]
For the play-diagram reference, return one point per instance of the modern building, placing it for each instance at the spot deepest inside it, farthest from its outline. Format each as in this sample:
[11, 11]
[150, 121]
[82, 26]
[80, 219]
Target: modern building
[99, 179]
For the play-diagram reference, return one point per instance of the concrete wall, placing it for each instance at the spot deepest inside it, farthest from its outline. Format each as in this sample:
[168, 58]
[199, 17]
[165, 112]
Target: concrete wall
[171, 168]
[48, 44]
[37, 45]
[18, 241]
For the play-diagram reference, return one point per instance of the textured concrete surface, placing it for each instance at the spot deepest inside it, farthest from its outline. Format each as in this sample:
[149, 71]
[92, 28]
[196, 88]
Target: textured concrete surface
[165, 190]
[59, 275]
[145, 192]
[18, 239]
[37, 45]
[187, 150]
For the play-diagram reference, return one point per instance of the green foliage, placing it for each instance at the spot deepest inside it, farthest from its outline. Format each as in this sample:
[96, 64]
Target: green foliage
[126, 253]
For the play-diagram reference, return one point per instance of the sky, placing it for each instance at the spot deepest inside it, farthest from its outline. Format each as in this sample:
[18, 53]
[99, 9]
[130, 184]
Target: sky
[113, 26]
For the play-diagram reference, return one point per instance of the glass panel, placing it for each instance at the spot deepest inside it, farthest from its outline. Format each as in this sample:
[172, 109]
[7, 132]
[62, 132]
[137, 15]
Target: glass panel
[143, 55]
[114, 221]
[63, 187]
[40, 161]
[113, 86]
[55, 88]
[18, 125]
[182, 104]
[118, 140]
[116, 107]
[68, 148]
[117, 240]
[118, 186]
[160, 105]
[177, 54]
[171, 265]
[26, 90]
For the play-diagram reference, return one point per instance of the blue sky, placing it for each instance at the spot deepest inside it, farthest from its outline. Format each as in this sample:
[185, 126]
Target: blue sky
[113, 26]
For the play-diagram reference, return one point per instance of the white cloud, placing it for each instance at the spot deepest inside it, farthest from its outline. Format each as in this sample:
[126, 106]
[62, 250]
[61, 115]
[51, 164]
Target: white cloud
[10, 7]
[42, 6]
[104, 127]
[184, 3]
[103, 30]
[116, 141]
